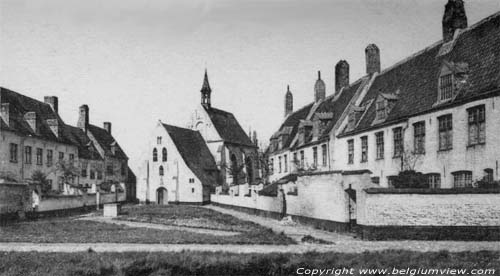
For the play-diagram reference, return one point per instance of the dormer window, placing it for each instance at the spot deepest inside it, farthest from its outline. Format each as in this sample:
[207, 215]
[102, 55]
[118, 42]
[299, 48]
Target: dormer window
[381, 109]
[446, 87]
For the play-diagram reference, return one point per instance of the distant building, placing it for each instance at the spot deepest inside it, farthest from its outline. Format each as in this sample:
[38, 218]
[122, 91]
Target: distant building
[180, 168]
[35, 138]
[225, 156]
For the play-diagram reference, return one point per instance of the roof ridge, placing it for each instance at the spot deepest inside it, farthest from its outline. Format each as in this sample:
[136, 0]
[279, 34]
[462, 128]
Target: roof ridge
[468, 29]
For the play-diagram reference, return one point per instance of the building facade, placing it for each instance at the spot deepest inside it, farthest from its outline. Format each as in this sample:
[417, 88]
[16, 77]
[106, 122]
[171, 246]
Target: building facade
[34, 139]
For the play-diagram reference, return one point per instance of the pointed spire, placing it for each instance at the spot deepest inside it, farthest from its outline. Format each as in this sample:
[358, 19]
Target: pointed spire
[319, 75]
[205, 91]
[206, 85]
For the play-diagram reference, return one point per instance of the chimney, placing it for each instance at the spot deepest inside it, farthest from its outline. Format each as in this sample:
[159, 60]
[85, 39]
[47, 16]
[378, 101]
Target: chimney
[288, 101]
[83, 119]
[30, 118]
[341, 75]
[319, 89]
[372, 54]
[454, 18]
[53, 101]
[5, 112]
[107, 127]
[54, 126]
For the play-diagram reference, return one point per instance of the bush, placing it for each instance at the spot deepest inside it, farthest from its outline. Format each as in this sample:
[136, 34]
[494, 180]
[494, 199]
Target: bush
[410, 179]
[483, 184]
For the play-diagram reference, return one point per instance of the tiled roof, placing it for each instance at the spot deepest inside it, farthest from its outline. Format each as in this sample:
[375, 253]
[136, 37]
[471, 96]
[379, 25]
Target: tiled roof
[416, 78]
[195, 153]
[291, 123]
[228, 127]
[19, 105]
[106, 140]
[86, 148]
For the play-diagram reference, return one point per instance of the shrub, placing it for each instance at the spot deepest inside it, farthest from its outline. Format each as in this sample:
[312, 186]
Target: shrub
[483, 184]
[410, 179]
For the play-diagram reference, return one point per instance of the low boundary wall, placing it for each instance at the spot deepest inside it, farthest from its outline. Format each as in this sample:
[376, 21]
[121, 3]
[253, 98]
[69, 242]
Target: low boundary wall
[425, 214]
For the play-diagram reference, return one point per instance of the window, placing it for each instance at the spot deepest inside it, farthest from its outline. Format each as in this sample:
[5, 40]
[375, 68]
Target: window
[364, 148]
[295, 160]
[99, 174]
[271, 166]
[419, 137]
[375, 180]
[61, 156]
[445, 132]
[155, 155]
[39, 156]
[124, 169]
[50, 157]
[191, 180]
[60, 184]
[164, 155]
[398, 141]
[434, 180]
[13, 153]
[109, 169]
[381, 109]
[315, 156]
[324, 154]
[477, 125]
[379, 140]
[192, 190]
[445, 87]
[161, 172]
[279, 164]
[84, 172]
[286, 162]
[92, 174]
[158, 140]
[302, 159]
[27, 155]
[462, 179]
[71, 157]
[350, 151]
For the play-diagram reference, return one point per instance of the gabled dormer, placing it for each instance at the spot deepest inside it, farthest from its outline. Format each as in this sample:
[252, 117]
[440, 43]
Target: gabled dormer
[355, 115]
[30, 118]
[383, 106]
[321, 120]
[305, 132]
[54, 126]
[453, 78]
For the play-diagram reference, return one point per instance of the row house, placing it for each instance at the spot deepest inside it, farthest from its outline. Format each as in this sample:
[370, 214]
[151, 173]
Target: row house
[304, 141]
[34, 138]
[435, 112]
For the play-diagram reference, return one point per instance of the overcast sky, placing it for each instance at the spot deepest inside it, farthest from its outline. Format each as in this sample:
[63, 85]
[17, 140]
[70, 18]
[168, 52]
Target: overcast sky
[134, 62]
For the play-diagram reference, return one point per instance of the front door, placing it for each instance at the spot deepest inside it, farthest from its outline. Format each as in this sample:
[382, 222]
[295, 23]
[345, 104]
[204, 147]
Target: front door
[161, 196]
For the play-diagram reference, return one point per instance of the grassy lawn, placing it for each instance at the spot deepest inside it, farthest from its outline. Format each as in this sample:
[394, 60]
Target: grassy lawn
[63, 230]
[198, 263]
[183, 215]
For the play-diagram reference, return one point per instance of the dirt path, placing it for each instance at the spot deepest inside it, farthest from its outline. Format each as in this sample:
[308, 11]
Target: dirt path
[159, 226]
[295, 231]
[354, 247]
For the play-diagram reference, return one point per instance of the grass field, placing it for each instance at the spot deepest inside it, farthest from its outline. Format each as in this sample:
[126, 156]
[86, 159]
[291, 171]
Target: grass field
[62, 230]
[184, 215]
[194, 263]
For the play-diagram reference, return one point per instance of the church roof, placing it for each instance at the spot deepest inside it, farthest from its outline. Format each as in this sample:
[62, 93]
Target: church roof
[194, 151]
[228, 127]
[416, 78]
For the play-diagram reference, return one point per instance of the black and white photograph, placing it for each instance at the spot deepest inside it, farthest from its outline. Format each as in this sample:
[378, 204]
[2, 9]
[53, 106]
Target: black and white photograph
[249, 137]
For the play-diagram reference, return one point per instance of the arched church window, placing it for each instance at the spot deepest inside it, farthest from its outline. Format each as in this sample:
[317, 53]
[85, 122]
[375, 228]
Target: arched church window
[161, 171]
[164, 155]
[155, 155]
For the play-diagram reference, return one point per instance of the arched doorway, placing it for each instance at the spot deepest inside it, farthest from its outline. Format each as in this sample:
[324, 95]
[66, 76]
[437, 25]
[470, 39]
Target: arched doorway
[161, 196]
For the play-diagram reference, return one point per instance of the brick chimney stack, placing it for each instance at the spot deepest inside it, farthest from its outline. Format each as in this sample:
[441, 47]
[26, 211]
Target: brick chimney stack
[372, 54]
[83, 120]
[53, 101]
[107, 127]
[454, 18]
[341, 75]
[288, 101]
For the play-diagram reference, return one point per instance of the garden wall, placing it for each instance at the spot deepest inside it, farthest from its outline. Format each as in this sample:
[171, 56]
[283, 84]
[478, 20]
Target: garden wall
[72, 202]
[429, 214]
